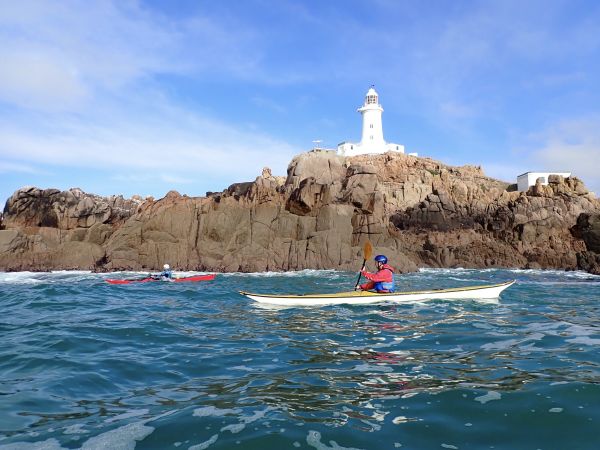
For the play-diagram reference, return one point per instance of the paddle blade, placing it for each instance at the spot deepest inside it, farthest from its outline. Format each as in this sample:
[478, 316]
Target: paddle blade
[368, 250]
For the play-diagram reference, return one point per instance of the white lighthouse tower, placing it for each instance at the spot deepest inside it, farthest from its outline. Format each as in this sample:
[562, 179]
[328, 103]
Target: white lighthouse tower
[372, 130]
[372, 141]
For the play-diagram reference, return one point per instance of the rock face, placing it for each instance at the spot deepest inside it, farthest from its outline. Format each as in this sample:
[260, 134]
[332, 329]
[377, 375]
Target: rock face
[417, 211]
[588, 229]
[49, 229]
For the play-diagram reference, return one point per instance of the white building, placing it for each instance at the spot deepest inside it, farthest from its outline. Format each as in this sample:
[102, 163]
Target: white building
[528, 179]
[372, 131]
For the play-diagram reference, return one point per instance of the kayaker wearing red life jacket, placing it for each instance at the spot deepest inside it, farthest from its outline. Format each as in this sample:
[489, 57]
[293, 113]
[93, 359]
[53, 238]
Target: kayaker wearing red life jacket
[382, 280]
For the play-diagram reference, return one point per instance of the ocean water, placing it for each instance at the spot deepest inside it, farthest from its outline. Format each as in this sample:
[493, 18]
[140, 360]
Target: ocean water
[85, 364]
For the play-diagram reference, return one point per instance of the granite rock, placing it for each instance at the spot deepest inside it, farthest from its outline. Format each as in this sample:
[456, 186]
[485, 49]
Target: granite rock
[419, 212]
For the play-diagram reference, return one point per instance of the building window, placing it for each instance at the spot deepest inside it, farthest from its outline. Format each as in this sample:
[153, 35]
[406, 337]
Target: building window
[371, 126]
[371, 137]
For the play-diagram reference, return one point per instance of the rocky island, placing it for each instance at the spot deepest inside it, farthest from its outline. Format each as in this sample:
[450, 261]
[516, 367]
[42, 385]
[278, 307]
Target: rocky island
[418, 211]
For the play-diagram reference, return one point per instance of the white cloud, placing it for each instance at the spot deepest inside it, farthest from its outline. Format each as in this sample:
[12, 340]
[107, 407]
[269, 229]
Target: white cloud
[139, 147]
[11, 167]
[570, 146]
[162, 139]
[81, 83]
[174, 179]
[57, 54]
[38, 81]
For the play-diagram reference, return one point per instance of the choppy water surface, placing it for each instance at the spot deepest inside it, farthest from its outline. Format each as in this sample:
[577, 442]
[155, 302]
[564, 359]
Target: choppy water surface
[85, 364]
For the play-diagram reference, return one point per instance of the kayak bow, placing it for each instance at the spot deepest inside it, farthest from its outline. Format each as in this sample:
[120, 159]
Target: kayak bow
[208, 277]
[366, 297]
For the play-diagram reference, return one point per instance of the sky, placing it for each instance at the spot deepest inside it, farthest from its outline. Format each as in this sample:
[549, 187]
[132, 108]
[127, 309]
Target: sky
[143, 97]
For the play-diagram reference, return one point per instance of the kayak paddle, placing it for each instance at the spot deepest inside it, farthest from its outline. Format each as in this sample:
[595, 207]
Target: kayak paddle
[367, 252]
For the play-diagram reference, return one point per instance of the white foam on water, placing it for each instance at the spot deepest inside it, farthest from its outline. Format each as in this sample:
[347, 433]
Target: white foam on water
[293, 273]
[71, 272]
[441, 270]
[490, 396]
[234, 428]
[243, 368]
[257, 415]
[127, 415]
[555, 410]
[211, 411]
[20, 278]
[561, 273]
[314, 440]
[205, 444]
[122, 438]
[75, 429]
[50, 444]
[189, 273]
[454, 447]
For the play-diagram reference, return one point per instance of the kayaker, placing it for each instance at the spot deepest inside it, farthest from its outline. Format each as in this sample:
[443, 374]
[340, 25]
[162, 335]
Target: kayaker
[382, 280]
[166, 274]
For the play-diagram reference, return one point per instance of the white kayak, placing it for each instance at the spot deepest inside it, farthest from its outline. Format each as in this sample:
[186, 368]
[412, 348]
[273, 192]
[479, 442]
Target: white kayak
[488, 292]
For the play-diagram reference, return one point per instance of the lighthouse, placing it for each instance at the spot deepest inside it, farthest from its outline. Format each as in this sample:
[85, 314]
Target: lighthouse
[372, 141]
[372, 130]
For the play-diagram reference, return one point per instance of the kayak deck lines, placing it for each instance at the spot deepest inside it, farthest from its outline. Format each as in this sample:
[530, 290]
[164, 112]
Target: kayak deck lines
[485, 292]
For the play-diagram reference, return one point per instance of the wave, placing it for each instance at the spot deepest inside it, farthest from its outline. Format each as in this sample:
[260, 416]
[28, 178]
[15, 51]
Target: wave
[291, 273]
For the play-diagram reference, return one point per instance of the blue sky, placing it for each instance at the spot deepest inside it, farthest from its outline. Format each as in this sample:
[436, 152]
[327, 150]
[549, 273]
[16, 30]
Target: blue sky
[126, 97]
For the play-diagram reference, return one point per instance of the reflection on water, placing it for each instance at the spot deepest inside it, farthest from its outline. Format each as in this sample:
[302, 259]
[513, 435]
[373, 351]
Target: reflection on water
[89, 363]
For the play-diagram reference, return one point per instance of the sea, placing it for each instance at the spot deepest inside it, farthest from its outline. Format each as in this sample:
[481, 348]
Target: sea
[89, 365]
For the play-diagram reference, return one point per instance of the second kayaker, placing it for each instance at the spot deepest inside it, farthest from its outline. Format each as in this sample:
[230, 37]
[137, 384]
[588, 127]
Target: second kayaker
[382, 280]
[165, 275]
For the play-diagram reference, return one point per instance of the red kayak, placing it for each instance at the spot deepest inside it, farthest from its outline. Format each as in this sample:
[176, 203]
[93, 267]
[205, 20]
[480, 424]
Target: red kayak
[177, 280]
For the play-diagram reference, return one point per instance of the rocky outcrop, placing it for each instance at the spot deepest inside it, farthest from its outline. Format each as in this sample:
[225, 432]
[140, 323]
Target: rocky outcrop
[49, 229]
[588, 229]
[66, 210]
[417, 211]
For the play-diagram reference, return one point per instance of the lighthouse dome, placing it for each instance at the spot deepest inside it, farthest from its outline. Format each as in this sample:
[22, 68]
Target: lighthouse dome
[372, 98]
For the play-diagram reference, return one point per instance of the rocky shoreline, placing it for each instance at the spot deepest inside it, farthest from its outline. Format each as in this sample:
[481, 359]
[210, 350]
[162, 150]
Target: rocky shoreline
[420, 212]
